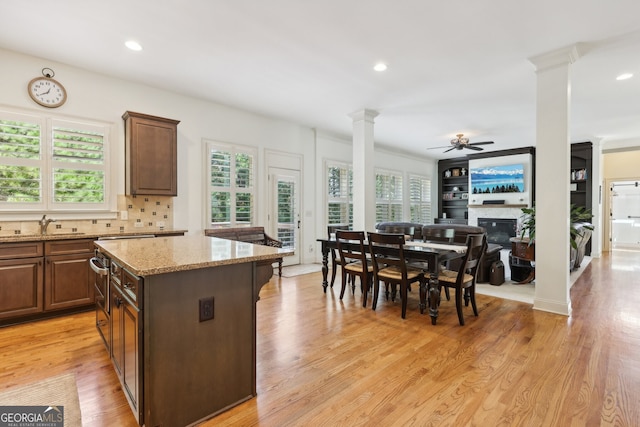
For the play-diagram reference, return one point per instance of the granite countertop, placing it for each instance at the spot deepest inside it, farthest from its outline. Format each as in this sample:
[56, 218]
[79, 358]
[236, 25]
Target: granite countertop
[14, 238]
[146, 257]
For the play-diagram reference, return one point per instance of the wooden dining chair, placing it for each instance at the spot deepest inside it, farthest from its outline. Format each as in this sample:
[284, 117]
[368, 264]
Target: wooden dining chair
[353, 260]
[443, 235]
[407, 230]
[390, 266]
[335, 259]
[463, 281]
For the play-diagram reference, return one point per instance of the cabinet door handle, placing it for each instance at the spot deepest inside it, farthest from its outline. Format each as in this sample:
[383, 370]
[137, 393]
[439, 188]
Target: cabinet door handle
[118, 302]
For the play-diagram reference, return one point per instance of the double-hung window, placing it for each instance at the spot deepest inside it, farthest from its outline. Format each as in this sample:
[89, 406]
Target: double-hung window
[231, 187]
[339, 193]
[50, 164]
[420, 199]
[388, 196]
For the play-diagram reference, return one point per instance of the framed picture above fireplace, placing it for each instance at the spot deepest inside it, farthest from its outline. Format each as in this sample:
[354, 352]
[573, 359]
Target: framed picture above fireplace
[497, 179]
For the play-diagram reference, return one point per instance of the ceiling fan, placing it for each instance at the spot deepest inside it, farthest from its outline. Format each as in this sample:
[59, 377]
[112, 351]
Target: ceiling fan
[461, 142]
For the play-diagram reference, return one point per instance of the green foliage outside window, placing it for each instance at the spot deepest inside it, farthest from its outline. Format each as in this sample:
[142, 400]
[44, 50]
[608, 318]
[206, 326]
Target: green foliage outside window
[230, 180]
[76, 174]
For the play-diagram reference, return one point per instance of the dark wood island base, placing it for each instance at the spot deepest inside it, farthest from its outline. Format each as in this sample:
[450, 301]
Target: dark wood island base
[186, 351]
[194, 370]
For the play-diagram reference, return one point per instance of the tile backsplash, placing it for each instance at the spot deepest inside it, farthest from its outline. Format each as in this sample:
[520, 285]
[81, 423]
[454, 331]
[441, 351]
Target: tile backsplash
[140, 212]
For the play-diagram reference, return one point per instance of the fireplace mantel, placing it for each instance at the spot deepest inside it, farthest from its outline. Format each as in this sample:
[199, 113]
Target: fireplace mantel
[506, 211]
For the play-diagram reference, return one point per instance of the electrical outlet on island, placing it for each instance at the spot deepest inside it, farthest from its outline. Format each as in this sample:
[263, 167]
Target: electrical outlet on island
[138, 224]
[206, 308]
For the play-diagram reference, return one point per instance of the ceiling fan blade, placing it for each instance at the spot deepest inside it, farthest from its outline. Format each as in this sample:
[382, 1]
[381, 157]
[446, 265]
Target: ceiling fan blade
[481, 143]
[471, 147]
[452, 148]
[437, 148]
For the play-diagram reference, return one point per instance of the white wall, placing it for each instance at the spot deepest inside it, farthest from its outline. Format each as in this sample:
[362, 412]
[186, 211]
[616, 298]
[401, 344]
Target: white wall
[95, 96]
[99, 97]
[331, 147]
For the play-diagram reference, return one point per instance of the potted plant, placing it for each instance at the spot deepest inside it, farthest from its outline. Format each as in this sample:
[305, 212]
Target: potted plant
[528, 228]
[577, 214]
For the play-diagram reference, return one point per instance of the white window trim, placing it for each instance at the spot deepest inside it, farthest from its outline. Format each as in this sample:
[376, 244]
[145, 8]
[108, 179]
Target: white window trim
[46, 120]
[429, 201]
[403, 197]
[234, 148]
[327, 165]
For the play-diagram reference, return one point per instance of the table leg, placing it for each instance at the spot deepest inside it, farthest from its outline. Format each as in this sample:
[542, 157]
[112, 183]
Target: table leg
[434, 297]
[423, 295]
[325, 266]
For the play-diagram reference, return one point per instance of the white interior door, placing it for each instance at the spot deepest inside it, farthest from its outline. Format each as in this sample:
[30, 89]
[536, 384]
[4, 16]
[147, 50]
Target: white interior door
[284, 218]
[625, 215]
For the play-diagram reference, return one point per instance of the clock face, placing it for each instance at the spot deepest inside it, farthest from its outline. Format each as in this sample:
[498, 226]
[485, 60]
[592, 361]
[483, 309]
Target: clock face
[47, 92]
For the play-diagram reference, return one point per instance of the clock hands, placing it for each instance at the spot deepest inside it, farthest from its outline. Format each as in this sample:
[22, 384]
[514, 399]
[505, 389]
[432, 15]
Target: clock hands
[44, 93]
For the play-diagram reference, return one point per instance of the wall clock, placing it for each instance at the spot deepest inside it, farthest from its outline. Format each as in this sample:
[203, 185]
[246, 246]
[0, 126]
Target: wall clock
[46, 91]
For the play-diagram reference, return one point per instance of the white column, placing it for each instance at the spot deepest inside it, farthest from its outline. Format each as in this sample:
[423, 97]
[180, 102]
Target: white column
[364, 180]
[597, 192]
[553, 179]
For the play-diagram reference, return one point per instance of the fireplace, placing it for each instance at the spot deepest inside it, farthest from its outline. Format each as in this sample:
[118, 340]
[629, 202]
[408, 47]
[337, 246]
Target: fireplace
[499, 230]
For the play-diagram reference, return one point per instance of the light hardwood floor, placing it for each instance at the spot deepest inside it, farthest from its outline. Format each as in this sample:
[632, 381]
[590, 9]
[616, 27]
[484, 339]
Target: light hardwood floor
[326, 362]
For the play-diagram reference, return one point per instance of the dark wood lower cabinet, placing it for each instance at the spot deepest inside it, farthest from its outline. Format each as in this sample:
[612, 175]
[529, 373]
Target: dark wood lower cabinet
[194, 369]
[21, 279]
[38, 279]
[69, 281]
[126, 339]
[20, 287]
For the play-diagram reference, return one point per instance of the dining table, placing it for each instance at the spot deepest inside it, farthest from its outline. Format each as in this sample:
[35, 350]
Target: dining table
[429, 255]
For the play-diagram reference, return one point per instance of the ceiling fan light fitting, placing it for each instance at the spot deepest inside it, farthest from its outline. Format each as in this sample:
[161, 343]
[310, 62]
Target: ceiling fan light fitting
[460, 139]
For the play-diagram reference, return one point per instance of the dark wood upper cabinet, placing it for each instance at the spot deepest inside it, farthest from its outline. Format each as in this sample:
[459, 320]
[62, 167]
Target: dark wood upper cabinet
[151, 155]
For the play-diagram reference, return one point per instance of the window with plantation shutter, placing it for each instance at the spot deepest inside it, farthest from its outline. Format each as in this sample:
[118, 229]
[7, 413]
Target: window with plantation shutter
[231, 185]
[48, 164]
[340, 194]
[78, 161]
[388, 196]
[420, 199]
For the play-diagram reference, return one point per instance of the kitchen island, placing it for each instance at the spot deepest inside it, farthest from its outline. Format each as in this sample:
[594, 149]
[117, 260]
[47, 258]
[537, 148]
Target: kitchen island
[183, 317]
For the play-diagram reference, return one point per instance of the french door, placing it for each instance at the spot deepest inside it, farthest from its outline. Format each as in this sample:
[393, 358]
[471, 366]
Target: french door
[284, 215]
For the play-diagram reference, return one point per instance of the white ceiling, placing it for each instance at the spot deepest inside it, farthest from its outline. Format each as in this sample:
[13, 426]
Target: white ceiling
[455, 66]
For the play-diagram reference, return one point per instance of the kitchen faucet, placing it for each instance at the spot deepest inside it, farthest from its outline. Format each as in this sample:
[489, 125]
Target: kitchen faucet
[44, 223]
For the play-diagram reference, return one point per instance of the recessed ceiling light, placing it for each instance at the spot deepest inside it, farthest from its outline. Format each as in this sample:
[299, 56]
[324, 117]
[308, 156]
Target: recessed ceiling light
[624, 76]
[133, 45]
[380, 66]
